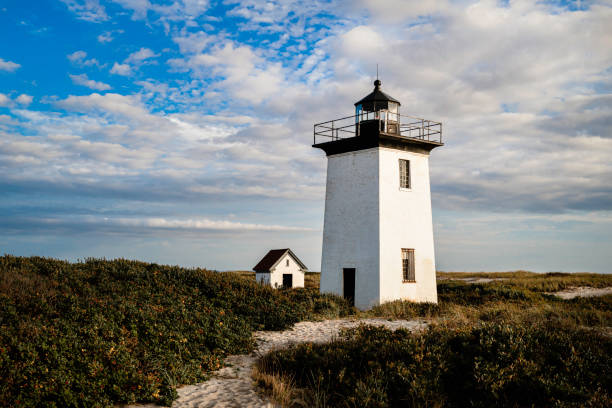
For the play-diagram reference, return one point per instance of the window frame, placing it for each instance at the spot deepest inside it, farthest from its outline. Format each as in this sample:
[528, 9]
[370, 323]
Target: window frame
[407, 177]
[408, 267]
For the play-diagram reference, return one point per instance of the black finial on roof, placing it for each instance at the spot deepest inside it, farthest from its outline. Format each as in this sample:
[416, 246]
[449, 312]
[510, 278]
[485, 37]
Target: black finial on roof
[376, 97]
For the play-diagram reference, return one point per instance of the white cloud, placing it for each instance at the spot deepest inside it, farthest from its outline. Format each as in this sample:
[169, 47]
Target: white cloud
[24, 99]
[79, 58]
[201, 224]
[127, 106]
[5, 100]
[140, 56]
[193, 42]
[8, 66]
[363, 42]
[121, 69]
[88, 10]
[115, 139]
[105, 37]
[83, 80]
[192, 8]
[139, 7]
[177, 10]
[245, 75]
[459, 65]
[108, 36]
[134, 60]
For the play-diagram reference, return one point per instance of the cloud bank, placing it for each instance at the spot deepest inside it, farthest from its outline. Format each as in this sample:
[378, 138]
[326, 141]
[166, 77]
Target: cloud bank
[218, 107]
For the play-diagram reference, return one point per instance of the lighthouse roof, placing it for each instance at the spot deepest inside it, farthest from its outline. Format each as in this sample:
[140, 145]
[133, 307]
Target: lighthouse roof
[376, 96]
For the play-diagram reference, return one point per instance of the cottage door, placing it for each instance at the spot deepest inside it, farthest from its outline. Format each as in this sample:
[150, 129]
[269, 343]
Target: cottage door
[287, 280]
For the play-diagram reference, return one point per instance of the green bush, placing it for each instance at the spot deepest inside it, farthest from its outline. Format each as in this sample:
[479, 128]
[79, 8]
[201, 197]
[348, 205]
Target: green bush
[491, 365]
[99, 332]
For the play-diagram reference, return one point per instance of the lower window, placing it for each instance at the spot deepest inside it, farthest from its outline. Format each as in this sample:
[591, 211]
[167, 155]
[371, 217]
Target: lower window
[408, 265]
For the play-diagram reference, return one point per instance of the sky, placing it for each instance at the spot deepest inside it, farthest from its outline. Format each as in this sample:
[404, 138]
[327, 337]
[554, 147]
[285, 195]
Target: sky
[180, 131]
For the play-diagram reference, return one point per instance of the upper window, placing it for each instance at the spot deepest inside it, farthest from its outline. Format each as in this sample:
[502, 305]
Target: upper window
[408, 265]
[287, 263]
[404, 167]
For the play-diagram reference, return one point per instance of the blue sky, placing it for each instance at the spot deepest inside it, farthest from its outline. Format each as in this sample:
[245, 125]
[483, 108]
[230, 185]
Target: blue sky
[179, 131]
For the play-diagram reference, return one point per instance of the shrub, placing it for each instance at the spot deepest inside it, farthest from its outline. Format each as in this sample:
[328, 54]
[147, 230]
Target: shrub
[491, 365]
[97, 333]
[503, 343]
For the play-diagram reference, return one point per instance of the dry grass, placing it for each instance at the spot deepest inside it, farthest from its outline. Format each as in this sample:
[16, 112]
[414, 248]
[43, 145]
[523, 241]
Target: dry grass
[312, 280]
[539, 282]
[250, 275]
[281, 389]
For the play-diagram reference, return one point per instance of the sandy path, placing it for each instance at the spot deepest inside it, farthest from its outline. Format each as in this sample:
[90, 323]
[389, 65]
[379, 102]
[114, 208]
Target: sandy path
[582, 291]
[232, 387]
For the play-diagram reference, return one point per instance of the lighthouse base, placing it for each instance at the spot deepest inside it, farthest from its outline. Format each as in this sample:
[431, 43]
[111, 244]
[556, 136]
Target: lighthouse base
[371, 222]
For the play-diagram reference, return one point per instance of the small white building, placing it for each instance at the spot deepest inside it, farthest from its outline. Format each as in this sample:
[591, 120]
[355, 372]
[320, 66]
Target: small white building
[378, 243]
[280, 268]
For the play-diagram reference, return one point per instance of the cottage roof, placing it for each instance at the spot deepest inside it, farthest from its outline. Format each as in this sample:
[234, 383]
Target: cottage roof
[273, 257]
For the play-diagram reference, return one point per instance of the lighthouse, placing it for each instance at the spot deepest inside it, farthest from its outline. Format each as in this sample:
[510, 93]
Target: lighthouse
[378, 243]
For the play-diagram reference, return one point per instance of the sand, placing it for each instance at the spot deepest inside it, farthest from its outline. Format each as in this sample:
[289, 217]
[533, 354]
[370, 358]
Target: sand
[581, 291]
[232, 386]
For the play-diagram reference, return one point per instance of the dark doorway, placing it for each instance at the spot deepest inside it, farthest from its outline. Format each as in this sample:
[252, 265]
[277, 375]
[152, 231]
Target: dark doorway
[349, 284]
[287, 280]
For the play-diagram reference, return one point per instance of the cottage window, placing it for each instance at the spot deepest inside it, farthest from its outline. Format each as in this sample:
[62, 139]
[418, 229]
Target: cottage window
[287, 264]
[408, 265]
[404, 167]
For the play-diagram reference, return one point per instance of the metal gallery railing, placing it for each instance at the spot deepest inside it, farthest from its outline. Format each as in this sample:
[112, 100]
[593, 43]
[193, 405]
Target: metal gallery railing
[387, 123]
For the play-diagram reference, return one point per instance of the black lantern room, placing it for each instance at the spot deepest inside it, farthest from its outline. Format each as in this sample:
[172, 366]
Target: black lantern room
[377, 122]
[377, 112]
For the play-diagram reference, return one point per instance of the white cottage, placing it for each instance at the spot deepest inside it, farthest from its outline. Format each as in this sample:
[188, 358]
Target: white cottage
[378, 242]
[280, 268]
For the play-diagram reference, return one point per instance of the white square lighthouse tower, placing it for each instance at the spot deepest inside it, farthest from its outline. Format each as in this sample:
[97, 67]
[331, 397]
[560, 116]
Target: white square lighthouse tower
[378, 235]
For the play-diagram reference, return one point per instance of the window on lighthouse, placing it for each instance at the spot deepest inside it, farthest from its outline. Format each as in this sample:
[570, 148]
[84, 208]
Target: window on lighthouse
[404, 167]
[408, 265]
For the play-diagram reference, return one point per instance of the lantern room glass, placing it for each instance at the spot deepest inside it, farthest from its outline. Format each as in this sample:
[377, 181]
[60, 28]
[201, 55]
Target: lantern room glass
[388, 116]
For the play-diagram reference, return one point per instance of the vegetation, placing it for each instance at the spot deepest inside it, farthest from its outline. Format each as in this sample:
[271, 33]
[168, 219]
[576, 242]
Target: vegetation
[501, 343]
[489, 365]
[312, 280]
[98, 332]
[539, 282]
